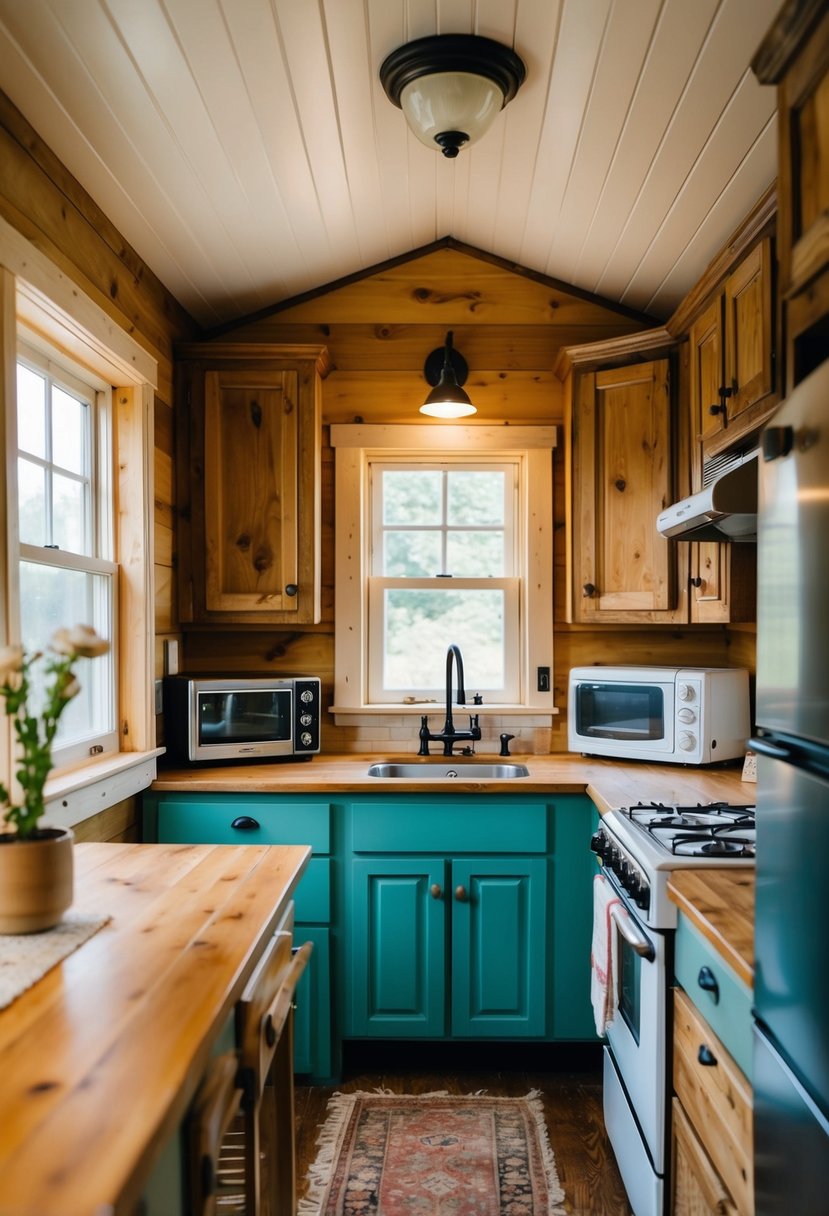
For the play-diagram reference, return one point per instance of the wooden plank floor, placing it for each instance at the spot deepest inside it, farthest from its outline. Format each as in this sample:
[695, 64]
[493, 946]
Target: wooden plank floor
[572, 1106]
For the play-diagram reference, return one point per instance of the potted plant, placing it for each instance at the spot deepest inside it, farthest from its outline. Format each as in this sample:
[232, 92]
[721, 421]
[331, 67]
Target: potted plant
[36, 873]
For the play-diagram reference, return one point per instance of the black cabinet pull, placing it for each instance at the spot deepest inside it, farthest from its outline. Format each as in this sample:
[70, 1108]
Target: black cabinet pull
[291, 589]
[706, 1056]
[716, 409]
[777, 441]
[696, 582]
[589, 590]
[245, 823]
[708, 982]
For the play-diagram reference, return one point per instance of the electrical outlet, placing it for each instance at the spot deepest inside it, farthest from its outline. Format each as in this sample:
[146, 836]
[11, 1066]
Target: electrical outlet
[750, 767]
[543, 679]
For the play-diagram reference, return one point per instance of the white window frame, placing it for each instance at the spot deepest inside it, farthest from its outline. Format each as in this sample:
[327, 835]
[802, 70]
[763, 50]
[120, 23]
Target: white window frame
[359, 444]
[34, 352]
[37, 297]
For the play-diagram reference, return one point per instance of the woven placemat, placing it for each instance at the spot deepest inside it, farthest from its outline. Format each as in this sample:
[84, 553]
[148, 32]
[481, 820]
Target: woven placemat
[26, 957]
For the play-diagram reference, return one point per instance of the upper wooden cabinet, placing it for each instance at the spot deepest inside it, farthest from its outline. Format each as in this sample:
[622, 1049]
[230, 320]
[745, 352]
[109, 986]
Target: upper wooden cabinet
[795, 56]
[623, 571]
[732, 365]
[249, 484]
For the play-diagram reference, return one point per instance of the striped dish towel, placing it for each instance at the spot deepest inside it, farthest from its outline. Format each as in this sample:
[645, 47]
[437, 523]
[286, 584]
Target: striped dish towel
[603, 962]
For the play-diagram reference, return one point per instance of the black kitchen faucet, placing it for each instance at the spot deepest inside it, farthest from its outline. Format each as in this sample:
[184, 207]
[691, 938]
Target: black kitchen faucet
[449, 735]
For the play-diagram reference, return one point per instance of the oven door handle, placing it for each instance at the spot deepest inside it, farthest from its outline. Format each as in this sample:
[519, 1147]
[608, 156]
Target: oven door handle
[632, 935]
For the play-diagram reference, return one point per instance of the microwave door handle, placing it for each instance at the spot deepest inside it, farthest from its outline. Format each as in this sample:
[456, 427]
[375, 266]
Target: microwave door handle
[632, 935]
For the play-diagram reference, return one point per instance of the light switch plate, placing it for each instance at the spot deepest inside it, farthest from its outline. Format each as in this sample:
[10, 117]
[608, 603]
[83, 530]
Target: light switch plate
[159, 697]
[750, 767]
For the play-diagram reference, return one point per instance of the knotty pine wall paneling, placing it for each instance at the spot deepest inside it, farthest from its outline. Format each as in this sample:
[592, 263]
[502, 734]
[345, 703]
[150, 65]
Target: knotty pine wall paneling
[41, 199]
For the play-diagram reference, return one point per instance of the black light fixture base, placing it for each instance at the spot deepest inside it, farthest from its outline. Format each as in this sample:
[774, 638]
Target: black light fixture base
[433, 366]
[452, 53]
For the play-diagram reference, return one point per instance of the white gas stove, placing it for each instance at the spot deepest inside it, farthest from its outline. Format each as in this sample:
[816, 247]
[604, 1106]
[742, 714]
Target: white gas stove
[640, 845]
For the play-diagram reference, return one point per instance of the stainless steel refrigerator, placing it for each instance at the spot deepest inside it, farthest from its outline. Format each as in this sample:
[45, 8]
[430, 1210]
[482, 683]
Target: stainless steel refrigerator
[791, 1044]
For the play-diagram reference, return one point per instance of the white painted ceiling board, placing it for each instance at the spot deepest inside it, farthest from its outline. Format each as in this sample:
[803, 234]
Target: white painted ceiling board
[247, 151]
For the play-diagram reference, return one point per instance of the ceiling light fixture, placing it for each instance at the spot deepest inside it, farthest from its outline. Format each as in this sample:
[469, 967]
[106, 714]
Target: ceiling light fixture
[447, 370]
[451, 86]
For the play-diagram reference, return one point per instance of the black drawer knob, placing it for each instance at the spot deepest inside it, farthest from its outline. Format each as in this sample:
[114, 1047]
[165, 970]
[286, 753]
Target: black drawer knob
[245, 823]
[706, 1056]
[708, 982]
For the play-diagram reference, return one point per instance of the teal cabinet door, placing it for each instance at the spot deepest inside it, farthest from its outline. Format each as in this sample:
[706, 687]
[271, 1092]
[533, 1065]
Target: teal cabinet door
[397, 947]
[312, 1011]
[499, 947]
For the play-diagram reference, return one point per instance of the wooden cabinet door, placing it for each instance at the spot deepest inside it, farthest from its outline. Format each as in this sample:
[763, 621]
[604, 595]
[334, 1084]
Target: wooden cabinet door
[499, 948]
[723, 582]
[625, 572]
[706, 376]
[251, 491]
[748, 329]
[248, 448]
[697, 1189]
[398, 947]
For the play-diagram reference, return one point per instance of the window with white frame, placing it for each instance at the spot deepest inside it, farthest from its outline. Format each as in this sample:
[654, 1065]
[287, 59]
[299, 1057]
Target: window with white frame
[66, 574]
[442, 535]
[444, 555]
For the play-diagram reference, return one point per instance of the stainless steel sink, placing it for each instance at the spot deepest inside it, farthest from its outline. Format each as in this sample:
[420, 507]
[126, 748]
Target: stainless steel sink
[441, 768]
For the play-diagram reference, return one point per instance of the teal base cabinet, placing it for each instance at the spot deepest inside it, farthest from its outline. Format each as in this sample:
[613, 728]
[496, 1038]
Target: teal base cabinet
[263, 819]
[464, 917]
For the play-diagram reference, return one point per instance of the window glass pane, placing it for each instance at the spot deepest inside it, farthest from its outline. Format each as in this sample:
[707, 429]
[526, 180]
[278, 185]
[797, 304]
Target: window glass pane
[31, 497]
[412, 555]
[51, 598]
[412, 496]
[69, 421]
[31, 411]
[68, 523]
[475, 554]
[421, 623]
[475, 498]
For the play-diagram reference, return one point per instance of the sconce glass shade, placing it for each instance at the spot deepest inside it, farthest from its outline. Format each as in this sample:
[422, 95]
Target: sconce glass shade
[451, 86]
[447, 399]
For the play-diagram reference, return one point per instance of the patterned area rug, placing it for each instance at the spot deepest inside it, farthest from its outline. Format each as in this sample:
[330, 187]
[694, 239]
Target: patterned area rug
[384, 1154]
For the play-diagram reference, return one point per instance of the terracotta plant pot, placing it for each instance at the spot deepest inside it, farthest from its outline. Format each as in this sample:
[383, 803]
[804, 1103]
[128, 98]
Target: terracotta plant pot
[36, 878]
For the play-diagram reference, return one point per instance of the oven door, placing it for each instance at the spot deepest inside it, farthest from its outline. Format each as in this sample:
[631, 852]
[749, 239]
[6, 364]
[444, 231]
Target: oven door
[622, 718]
[637, 1034]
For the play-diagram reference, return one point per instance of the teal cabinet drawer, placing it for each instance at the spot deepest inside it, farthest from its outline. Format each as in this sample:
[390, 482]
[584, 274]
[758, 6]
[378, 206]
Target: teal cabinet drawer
[727, 1009]
[465, 824]
[244, 819]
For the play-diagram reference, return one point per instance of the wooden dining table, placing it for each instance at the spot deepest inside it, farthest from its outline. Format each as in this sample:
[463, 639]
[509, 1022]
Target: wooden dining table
[100, 1058]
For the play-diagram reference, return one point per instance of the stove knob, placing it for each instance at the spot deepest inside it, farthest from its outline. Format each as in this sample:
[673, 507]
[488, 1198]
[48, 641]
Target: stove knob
[634, 885]
[597, 842]
[686, 715]
[685, 692]
[643, 899]
[686, 741]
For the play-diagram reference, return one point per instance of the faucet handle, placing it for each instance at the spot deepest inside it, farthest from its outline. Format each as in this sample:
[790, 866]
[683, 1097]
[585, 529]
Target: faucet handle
[505, 744]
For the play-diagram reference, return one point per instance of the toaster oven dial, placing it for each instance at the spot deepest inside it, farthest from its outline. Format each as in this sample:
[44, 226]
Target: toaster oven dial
[685, 692]
[306, 696]
[306, 739]
[687, 741]
[305, 719]
[686, 715]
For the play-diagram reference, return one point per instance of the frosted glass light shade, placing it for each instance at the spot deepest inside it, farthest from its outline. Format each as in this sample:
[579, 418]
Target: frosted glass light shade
[447, 409]
[451, 103]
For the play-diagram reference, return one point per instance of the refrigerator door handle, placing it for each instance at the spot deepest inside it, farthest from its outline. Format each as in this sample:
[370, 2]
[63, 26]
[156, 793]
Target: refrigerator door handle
[775, 750]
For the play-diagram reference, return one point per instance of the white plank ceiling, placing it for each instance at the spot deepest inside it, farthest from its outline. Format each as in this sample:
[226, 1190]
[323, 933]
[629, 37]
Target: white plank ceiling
[247, 151]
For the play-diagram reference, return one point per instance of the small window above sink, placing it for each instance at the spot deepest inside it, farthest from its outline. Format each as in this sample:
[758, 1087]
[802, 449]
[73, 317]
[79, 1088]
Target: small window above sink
[446, 769]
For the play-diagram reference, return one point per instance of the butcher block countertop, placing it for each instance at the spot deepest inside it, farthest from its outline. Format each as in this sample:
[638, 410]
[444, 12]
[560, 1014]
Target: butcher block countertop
[100, 1059]
[609, 783]
[720, 903]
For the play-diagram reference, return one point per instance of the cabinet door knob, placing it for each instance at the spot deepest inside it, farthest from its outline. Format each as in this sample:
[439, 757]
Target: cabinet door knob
[461, 895]
[706, 1056]
[696, 582]
[716, 409]
[291, 589]
[435, 890]
[589, 590]
[245, 823]
[708, 982]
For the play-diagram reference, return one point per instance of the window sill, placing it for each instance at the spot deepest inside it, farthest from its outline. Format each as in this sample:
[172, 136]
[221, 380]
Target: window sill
[79, 793]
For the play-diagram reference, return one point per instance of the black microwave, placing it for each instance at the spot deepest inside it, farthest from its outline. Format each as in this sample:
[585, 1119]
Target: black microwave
[211, 720]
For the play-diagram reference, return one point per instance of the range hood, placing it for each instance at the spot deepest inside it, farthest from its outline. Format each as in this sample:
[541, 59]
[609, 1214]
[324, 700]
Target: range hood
[724, 510]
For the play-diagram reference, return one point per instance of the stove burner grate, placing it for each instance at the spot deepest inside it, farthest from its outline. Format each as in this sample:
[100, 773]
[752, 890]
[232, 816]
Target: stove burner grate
[712, 844]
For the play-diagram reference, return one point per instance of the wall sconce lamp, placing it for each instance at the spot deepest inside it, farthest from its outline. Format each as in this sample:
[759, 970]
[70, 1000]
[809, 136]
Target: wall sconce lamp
[450, 87]
[447, 370]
